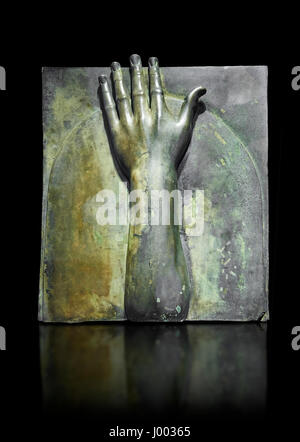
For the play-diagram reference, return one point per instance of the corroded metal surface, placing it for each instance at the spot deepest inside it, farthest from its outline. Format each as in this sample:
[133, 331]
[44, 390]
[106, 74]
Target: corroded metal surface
[83, 264]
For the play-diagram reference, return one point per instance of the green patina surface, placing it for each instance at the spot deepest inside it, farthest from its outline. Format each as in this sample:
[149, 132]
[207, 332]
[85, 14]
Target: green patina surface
[83, 264]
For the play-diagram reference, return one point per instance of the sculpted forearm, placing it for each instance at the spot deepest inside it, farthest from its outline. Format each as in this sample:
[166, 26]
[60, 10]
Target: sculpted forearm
[157, 284]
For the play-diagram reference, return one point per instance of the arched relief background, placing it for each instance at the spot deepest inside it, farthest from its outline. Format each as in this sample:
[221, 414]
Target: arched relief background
[83, 263]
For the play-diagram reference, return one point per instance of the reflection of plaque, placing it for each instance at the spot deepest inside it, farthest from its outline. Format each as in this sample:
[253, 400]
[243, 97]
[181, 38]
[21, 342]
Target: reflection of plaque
[83, 263]
[143, 370]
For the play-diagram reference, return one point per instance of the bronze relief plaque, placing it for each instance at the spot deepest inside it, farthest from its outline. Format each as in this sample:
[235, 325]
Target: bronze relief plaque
[153, 129]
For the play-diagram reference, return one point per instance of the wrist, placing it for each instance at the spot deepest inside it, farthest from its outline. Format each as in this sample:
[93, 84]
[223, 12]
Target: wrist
[154, 174]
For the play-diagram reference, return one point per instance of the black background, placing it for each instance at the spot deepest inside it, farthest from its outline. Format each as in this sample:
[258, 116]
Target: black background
[21, 176]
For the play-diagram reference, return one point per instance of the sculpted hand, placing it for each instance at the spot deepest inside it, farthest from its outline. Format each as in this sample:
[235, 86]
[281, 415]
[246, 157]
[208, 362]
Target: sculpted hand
[143, 125]
[148, 142]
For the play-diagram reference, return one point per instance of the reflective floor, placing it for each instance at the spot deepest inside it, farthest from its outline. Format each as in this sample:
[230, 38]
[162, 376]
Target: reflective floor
[148, 370]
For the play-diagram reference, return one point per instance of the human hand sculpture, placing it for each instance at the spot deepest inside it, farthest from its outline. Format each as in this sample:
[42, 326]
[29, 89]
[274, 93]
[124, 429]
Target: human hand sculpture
[148, 144]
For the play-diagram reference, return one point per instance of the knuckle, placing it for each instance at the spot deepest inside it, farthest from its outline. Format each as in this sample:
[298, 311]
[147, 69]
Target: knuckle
[156, 91]
[138, 70]
[154, 72]
[139, 93]
[122, 99]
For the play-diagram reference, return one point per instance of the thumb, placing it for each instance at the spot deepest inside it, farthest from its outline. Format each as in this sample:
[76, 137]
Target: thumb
[191, 105]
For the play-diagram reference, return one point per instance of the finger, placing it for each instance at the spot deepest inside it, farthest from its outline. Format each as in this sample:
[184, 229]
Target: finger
[122, 99]
[107, 102]
[156, 90]
[138, 87]
[190, 106]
